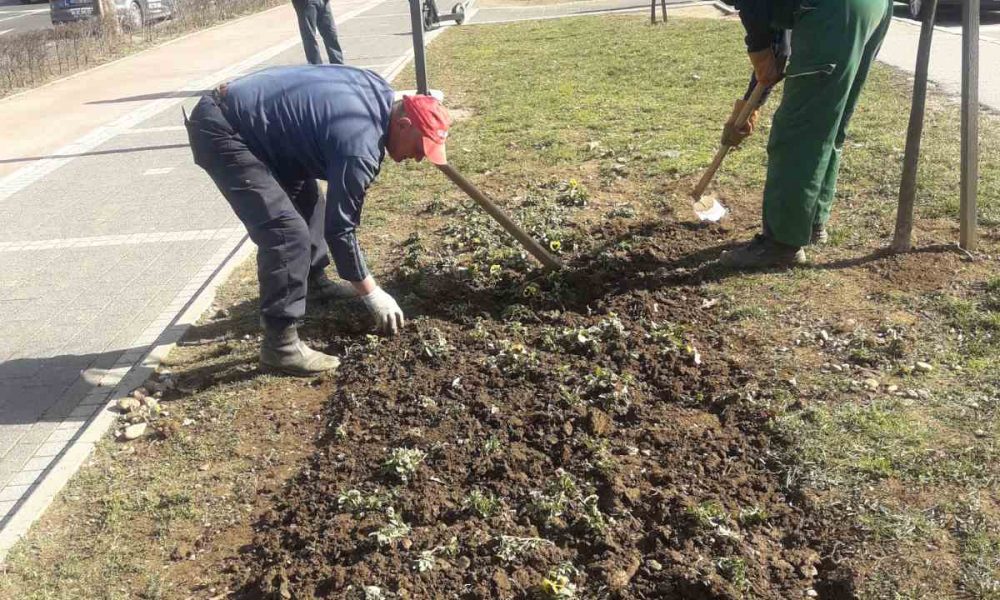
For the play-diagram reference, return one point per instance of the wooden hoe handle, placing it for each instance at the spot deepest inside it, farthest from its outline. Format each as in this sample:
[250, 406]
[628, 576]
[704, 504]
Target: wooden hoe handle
[741, 120]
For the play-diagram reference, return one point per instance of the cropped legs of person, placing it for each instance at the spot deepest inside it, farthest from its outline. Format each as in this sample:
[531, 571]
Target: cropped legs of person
[315, 16]
[287, 247]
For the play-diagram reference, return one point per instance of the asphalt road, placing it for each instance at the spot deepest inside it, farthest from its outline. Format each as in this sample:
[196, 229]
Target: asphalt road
[17, 17]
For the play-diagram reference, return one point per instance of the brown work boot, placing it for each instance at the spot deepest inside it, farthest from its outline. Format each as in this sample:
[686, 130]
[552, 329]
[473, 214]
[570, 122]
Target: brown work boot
[322, 288]
[763, 252]
[819, 235]
[284, 352]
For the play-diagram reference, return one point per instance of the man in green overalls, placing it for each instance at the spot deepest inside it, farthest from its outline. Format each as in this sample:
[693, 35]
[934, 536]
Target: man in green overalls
[833, 45]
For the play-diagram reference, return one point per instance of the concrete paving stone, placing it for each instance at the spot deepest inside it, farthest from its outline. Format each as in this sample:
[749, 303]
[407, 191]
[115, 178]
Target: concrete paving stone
[84, 411]
[38, 433]
[13, 492]
[25, 478]
[62, 435]
[37, 462]
[50, 449]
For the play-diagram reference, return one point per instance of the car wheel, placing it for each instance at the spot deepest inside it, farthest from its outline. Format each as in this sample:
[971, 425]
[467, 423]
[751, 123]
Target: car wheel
[134, 17]
[916, 8]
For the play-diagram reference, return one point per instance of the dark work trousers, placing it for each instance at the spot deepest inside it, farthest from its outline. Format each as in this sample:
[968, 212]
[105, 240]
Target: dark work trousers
[285, 218]
[316, 15]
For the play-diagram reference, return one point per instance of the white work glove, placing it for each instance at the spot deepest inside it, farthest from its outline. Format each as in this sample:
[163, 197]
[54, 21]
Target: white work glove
[388, 315]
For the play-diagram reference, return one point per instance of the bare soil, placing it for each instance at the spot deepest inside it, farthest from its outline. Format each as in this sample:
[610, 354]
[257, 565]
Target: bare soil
[673, 488]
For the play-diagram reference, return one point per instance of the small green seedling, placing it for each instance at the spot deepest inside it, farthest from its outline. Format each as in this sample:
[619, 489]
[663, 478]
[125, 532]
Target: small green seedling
[354, 501]
[483, 504]
[510, 548]
[403, 462]
[393, 530]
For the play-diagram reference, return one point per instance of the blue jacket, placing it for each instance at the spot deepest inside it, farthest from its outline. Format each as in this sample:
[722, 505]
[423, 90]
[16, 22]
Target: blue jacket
[762, 18]
[319, 122]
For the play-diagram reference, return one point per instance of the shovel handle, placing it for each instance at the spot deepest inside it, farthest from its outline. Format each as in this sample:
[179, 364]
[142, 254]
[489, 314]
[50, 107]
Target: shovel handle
[530, 244]
[741, 120]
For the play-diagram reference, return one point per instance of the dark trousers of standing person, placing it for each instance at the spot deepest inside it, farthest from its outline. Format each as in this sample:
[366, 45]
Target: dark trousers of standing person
[285, 219]
[315, 15]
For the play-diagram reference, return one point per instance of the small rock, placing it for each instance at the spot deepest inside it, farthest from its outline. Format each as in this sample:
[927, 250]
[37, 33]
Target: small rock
[406, 544]
[222, 313]
[598, 422]
[134, 431]
[924, 367]
[837, 368]
[824, 335]
[912, 394]
[871, 383]
[811, 593]
[128, 404]
[463, 563]
[892, 389]
[808, 570]
[654, 565]
[979, 433]
[140, 393]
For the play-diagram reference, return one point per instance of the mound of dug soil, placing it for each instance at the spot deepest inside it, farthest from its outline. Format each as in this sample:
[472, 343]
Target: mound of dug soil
[582, 435]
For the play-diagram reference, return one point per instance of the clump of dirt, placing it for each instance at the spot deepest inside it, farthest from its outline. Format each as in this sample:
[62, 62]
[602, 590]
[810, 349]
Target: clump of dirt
[576, 434]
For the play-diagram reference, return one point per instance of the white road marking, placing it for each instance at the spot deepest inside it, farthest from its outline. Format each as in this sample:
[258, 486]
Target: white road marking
[3, 31]
[125, 239]
[159, 171]
[26, 13]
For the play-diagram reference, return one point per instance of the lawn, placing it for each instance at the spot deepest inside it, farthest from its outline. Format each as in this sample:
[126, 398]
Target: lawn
[642, 424]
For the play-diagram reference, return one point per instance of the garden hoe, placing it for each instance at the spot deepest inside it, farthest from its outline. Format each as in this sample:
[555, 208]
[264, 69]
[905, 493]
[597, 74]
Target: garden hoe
[708, 208]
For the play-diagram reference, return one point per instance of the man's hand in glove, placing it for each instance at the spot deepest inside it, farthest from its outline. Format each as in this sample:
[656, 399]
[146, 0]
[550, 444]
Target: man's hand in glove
[388, 315]
[734, 137]
[765, 67]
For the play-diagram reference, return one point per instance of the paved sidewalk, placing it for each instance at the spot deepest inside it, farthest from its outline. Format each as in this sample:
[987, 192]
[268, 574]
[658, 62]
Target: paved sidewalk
[900, 50]
[108, 232]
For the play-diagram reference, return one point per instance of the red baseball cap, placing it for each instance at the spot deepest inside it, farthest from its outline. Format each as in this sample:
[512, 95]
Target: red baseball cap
[433, 121]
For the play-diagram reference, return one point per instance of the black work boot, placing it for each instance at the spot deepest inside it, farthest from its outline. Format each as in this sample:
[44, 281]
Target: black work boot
[284, 352]
[819, 235]
[763, 252]
[322, 288]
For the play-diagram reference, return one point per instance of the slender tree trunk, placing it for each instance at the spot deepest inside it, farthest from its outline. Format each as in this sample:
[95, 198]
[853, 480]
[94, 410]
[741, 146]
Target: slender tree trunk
[902, 241]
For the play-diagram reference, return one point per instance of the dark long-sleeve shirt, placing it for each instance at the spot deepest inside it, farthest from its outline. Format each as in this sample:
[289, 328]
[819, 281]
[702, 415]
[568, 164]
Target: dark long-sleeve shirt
[321, 122]
[762, 17]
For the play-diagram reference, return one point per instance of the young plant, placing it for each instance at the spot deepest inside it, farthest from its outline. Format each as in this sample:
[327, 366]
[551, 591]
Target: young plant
[514, 359]
[394, 529]
[591, 515]
[356, 502]
[403, 462]
[483, 504]
[558, 584]
[607, 388]
[510, 548]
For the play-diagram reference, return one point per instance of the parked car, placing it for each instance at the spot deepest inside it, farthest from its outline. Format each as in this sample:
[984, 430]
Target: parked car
[917, 5]
[133, 13]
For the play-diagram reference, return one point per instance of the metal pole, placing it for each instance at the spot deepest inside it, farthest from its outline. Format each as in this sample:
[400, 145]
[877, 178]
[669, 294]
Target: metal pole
[902, 239]
[419, 64]
[663, 6]
[970, 124]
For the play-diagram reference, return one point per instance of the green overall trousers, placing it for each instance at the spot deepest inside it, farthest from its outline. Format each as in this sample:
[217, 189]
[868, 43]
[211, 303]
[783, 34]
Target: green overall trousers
[833, 45]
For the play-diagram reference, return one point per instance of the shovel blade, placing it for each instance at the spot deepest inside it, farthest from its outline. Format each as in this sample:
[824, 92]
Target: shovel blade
[709, 209]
